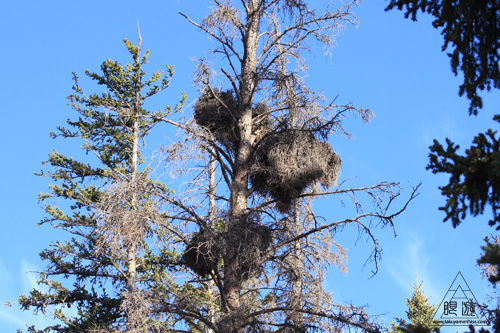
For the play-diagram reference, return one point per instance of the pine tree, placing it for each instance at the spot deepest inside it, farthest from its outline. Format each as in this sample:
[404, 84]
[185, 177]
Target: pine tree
[472, 29]
[420, 313]
[107, 275]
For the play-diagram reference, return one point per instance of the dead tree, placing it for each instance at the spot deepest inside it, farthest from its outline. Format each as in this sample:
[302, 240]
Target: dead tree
[268, 133]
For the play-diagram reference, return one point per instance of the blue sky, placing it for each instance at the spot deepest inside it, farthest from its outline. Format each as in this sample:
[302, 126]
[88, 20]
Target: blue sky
[386, 63]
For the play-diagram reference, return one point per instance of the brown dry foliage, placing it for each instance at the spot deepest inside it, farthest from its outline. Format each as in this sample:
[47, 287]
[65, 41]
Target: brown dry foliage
[291, 161]
[204, 251]
[286, 162]
[124, 225]
[216, 111]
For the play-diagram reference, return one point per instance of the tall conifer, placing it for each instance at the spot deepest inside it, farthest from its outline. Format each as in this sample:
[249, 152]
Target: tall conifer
[420, 313]
[104, 277]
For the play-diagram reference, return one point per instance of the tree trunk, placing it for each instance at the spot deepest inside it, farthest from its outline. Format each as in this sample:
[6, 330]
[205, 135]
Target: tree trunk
[212, 308]
[131, 297]
[296, 298]
[239, 190]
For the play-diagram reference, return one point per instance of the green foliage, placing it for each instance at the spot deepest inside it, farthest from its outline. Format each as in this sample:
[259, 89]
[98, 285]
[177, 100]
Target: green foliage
[474, 177]
[474, 183]
[471, 29]
[86, 281]
[489, 262]
[491, 259]
[420, 313]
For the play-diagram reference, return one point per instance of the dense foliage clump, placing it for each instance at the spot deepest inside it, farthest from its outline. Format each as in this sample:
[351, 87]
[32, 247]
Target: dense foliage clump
[289, 162]
[471, 29]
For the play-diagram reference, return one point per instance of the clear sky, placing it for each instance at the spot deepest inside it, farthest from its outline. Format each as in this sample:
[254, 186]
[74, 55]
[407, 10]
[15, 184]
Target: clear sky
[387, 63]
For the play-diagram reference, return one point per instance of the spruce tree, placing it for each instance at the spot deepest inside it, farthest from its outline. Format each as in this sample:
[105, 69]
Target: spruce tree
[471, 30]
[241, 249]
[420, 313]
[106, 275]
[474, 182]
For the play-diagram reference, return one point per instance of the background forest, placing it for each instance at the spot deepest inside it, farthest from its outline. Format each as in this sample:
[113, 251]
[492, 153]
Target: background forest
[385, 63]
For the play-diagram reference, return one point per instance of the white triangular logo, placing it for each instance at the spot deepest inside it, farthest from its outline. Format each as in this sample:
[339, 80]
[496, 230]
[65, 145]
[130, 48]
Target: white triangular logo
[458, 306]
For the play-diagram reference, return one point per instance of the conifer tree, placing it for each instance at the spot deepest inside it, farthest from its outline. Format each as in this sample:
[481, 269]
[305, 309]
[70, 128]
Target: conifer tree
[474, 182]
[259, 260]
[471, 29]
[241, 249]
[106, 276]
[420, 313]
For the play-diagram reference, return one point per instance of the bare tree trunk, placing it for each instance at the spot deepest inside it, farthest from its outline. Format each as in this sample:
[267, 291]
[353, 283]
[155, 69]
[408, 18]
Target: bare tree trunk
[297, 265]
[131, 249]
[131, 297]
[239, 190]
[297, 228]
[212, 309]
[211, 189]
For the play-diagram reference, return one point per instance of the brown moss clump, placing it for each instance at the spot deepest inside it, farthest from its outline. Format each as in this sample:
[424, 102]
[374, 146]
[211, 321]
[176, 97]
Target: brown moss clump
[253, 239]
[260, 119]
[205, 249]
[217, 112]
[285, 163]
[289, 162]
[203, 252]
